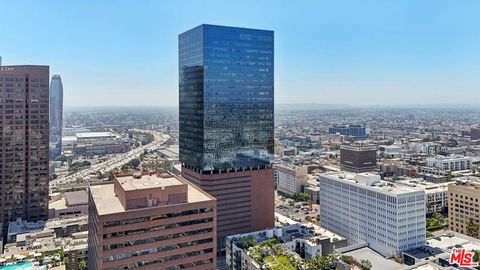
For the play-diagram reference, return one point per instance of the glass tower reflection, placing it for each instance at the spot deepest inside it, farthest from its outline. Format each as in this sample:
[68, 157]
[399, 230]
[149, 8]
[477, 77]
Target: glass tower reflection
[226, 97]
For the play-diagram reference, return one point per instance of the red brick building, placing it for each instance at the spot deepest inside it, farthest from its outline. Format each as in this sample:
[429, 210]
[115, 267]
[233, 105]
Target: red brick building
[152, 221]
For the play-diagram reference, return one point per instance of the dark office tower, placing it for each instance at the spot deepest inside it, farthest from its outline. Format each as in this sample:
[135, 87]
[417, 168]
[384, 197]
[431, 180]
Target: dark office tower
[56, 116]
[475, 133]
[226, 122]
[358, 158]
[24, 143]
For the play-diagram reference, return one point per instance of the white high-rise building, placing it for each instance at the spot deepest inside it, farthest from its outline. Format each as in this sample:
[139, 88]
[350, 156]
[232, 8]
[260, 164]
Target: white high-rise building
[363, 208]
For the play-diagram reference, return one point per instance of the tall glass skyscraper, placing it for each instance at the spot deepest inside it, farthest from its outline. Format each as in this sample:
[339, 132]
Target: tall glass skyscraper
[56, 116]
[226, 122]
[226, 97]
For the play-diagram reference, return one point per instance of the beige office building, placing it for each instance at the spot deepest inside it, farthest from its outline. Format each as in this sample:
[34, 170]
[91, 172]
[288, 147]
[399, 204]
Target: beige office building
[463, 204]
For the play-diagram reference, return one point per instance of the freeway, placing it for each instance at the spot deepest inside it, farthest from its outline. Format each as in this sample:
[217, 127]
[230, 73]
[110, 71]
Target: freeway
[116, 161]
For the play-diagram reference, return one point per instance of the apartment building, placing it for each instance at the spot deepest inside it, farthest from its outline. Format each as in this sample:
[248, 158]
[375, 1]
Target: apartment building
[436, 194]
[363, 208]
[152, 221]
[441, 165]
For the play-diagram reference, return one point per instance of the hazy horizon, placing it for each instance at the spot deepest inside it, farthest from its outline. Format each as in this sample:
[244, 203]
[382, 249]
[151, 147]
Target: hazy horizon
[368, 53]
[300, 106]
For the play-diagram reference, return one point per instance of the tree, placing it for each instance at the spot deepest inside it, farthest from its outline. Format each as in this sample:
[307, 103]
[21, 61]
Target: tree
[82, 265]
[134, 163]
[347, 259]
[365, 264]
[247, 242]
[472, 228]
[449, 176]
[301, 197]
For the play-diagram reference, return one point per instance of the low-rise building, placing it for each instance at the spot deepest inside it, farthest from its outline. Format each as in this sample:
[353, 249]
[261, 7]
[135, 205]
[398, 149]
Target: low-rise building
[288, 151]
[68, 203]
[290, 179]
[156, 221]
[396, 168]
[391, 151]
[99, 143]
[313, 193]
[363, 208]
[303, 240]
[436, 252]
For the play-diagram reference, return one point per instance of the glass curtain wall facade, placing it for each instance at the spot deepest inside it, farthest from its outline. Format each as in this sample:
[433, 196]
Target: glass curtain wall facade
[226, 98]
[56, 116]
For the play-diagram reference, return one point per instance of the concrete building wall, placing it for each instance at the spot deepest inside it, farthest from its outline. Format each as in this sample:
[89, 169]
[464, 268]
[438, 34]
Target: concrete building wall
[463, 204]
[245, 199]
[169, 235]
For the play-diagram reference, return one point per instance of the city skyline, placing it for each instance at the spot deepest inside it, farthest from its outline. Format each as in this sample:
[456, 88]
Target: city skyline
[327, 54]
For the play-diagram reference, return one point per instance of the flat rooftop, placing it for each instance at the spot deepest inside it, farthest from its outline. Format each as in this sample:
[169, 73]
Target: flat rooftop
[148, 181]
[429, 187]
[377, 260]
[74, 198]
[88, 135]
[107, 202]
[378, 185]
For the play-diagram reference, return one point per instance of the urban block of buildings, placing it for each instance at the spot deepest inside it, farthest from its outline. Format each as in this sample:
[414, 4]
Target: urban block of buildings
[153, 221]
[36, 238]
[304, 241]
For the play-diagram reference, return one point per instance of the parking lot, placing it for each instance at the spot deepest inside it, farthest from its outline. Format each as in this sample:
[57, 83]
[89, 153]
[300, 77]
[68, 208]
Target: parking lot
[297, 211]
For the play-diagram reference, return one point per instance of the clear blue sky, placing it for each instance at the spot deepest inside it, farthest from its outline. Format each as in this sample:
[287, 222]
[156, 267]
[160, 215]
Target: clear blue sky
[116, 53]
